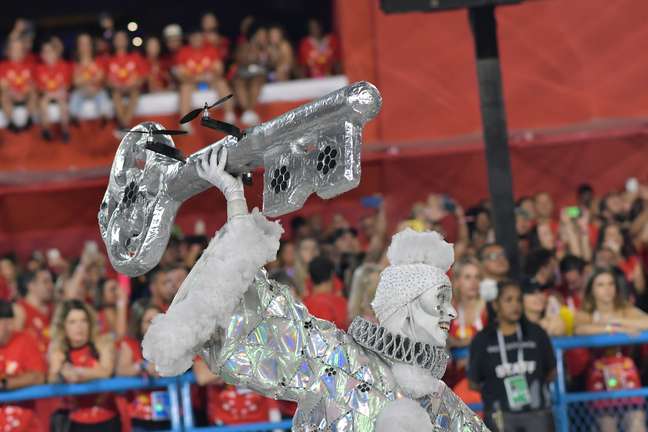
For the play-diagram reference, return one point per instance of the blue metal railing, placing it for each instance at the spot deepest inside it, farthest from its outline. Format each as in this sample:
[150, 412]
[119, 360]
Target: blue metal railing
[562, 398]
[179, 388]
[112, 385]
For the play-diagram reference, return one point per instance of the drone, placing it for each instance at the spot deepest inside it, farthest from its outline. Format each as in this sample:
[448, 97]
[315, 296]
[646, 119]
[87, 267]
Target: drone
[161, 148]
[211, 123]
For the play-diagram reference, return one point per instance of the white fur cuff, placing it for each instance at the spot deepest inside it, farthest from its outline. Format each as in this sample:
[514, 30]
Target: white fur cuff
[211, 291]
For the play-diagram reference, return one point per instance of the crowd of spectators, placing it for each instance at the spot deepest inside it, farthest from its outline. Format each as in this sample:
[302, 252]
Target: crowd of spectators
[72, 320]
[110, 68]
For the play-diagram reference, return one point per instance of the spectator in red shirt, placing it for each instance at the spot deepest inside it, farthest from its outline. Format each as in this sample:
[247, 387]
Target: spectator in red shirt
[250, 72]
[572, 275]
[130, 362]
[617, 239]
[201, 67]
[125, 77]
[209, 25]
[323, 302]
[544, 206]
[471, 308]
[163, 286]
[33, 313]
[157, 78]
[17, 83]
[172, 41]
[24, 30]
[281, 54]
[8, 273]
[21, 365]
[318, 52]
[77, 354]
[53, 79]
[89, 79]
[112, 309]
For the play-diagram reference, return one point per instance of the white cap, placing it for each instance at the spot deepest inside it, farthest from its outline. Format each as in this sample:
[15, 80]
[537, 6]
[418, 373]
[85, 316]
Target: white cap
[172, 30]
[418, 262]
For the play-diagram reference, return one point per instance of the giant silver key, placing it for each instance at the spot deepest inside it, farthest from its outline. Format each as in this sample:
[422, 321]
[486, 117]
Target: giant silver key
[314, 148]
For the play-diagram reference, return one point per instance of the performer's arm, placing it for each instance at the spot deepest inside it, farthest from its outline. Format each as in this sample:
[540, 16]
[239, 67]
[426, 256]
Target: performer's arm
[207, 298]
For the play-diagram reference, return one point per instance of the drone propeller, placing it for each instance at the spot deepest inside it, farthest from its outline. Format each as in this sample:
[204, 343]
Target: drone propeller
[194, 113]
[158, 132]
[166, 150]
[228, 128]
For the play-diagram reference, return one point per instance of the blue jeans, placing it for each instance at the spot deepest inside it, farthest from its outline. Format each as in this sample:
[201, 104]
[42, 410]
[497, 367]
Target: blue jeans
[100, 99]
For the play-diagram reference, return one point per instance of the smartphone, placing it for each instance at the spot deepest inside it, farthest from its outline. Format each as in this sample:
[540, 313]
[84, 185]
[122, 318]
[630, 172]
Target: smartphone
[160, 405]
[573, 212]
[371, 201]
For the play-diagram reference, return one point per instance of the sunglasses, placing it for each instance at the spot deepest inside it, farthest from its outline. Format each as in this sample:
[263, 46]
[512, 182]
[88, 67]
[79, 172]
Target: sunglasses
[494, 256]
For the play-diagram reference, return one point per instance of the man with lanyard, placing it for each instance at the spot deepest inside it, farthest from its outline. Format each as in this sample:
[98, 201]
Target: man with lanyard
[511, 363]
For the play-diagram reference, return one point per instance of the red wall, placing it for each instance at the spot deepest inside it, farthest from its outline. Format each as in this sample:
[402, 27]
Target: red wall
[563, 62]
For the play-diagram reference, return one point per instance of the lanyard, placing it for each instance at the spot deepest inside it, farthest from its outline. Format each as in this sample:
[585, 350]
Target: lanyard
[502, 346]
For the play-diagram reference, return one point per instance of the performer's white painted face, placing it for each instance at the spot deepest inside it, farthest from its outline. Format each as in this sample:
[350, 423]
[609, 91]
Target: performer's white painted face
[427, 318]
[431, 315]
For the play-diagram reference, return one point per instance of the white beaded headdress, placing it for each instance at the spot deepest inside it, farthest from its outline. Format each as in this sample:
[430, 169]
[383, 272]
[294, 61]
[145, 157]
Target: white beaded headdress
[418, 262]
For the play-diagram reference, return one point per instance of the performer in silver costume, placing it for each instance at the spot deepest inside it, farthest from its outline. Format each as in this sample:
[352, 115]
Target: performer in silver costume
[382, 377]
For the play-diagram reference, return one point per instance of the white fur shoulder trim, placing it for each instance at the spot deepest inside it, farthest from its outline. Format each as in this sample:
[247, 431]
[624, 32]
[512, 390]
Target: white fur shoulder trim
[403, 415]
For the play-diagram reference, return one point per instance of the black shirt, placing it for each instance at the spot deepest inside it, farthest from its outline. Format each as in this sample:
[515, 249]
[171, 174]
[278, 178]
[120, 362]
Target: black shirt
[485, 366]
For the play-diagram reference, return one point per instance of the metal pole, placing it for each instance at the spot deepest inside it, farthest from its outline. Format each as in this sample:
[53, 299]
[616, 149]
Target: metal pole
[484, 30]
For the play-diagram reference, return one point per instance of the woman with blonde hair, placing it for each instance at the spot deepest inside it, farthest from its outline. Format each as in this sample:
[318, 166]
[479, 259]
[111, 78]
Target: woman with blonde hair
[363, 288]
[471, 308]
[78, 354]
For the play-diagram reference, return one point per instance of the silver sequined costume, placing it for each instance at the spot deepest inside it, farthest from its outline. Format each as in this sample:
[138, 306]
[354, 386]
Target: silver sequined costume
[274, 346]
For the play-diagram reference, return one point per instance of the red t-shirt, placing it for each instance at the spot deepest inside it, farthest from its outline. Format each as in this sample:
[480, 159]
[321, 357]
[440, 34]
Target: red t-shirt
[53, 78]
[233, 405]
[197, 61]
[20, 355]
[90, 72]
[330, 307]
[222, 45]
[338, 286]
[122, 69]
[319, 56]
[18, 76]
[157, 73]
[89, 409]
[37, 323]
